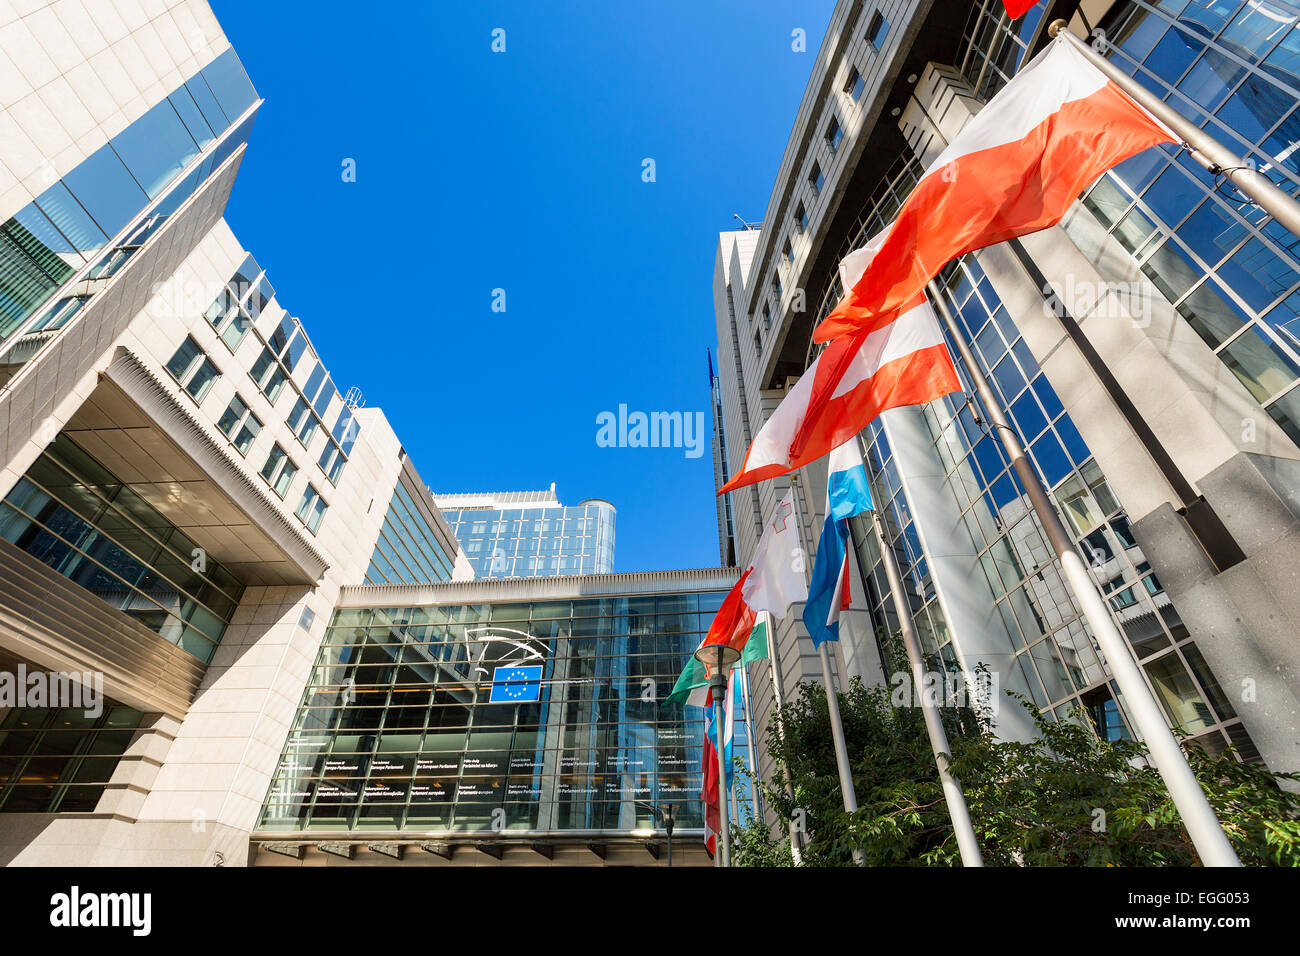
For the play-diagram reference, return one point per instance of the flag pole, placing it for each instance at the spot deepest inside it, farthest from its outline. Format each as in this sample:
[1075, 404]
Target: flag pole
[1203, 826]
[832, 699]
[749, 733]
[953, 796]
[1217, 159]
[778, 691]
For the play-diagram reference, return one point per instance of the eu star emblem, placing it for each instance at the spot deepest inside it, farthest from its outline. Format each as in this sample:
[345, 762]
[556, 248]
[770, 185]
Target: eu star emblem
[516, 685]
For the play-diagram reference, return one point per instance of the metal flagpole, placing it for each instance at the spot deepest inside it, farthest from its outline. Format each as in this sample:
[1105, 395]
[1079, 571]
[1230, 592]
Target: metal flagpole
[721, 657]
[1205, 149]
[832, 699]
[778, 692]
[1198, 816]
[953, 796]
[749, 734]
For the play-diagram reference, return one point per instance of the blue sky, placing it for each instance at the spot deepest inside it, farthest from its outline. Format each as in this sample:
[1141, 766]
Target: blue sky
[520, 171]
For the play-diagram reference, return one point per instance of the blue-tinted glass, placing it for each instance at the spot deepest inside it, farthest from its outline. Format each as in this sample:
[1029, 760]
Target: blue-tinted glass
[34, 221]
[1258, 275]
[70, 219]
[1051, 458]
[322, 402]
[1211, 80]
[1047, 396]
[1212, 232]
[229, 84]
[1172, 196]
[1173, 55]
[155, 148]
[192, 118]
[1029, 417]
[107, 190]
[1141, 33]
[207, 104]
[1074, 443]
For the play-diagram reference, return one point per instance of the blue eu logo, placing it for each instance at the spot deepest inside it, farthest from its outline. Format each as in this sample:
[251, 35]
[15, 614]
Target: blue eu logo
[516, 685]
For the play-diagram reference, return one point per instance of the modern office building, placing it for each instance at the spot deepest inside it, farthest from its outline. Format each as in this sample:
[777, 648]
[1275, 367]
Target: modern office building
[526, 534]
[499, 722]
[1146, 348]
[183, 491]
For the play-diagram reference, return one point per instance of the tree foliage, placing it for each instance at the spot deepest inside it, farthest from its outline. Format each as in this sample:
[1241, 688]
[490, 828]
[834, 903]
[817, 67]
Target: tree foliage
[1067, 798]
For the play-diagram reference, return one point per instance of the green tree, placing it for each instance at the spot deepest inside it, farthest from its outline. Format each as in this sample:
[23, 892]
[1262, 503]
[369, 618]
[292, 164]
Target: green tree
[1067, 798]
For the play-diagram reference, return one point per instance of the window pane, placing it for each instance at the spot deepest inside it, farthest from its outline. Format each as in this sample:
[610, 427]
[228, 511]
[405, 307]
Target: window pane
[156, 147]
[109, 193]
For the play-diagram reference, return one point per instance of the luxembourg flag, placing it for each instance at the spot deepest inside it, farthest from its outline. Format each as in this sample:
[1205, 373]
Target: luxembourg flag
[853, 380]
[847, 494]
[1014, 169]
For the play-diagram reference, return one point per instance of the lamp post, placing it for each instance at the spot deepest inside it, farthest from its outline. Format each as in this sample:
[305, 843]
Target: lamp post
[665, 816]
[718, 660]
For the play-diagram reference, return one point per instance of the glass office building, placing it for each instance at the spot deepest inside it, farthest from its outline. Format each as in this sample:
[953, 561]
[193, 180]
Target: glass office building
[530, 534]
[72, 513]
[540, 717]
[81, 230]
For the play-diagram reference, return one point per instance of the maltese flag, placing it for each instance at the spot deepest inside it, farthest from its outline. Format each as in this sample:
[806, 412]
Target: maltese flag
[1014, 169]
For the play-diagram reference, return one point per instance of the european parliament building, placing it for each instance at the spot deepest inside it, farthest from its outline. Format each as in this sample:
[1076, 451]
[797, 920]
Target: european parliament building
[1147, 349]
[278, 648]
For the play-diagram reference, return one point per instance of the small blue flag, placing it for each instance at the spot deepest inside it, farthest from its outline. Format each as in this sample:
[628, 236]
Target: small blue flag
[516, 685]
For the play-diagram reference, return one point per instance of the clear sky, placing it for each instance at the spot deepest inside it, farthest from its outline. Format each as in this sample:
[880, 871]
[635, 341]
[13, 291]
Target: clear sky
[521, 171]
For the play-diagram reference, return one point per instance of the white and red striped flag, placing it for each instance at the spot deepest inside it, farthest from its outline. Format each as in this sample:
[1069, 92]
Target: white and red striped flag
[856, 378]
[1014, 169]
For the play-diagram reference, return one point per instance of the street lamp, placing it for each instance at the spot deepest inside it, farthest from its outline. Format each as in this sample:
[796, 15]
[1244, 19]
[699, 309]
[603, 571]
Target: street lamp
[665, 816]
[718, 660]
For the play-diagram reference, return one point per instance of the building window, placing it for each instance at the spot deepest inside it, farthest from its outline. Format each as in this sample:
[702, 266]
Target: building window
[758, 343]
[767, 316]
[279, 470]
[228, 319]
[854, 84]
[788, 252]
[800, 218]
[302, 421]
[776, 286]
[332, 461]
[192, 369]
[311, 508]
[877, 30]
[239, 425]
[268, 375]
[834, 135]
[816, 178]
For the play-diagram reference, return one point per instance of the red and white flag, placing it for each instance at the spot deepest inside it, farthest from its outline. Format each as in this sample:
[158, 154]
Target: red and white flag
[1014, 169]
[855, 378]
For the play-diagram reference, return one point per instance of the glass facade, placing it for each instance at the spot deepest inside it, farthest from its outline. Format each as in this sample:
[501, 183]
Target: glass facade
[520, 716]
[87, 225]
[58, 760]
[536, 542]
[408, 551]
[73, 514]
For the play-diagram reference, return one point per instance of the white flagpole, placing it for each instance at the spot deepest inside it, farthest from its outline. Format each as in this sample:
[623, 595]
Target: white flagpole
[778, 693]
[953, 796]
[1203, 826]
[832, 699]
